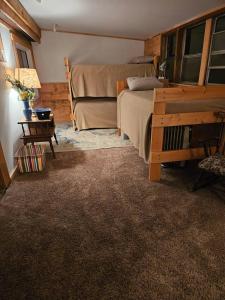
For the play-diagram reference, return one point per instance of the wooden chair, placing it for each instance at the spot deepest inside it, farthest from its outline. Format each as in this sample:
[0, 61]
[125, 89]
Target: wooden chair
[212, 168]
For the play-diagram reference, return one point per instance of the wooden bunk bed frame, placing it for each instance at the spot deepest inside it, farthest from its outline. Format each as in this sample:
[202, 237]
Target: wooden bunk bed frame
[161, 120]
[70, 95]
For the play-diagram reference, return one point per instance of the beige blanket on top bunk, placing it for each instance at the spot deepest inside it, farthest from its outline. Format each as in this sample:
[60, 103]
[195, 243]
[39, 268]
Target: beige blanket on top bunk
[100, 80]
[134, 110]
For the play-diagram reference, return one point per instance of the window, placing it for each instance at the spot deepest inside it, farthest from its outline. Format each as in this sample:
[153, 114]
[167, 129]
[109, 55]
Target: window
[23, 51]
[170, 55]
[22, 57]
[192, 53]
[216, 70]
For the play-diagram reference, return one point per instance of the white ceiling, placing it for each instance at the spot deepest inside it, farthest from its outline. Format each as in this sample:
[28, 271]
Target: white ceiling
[132, 18]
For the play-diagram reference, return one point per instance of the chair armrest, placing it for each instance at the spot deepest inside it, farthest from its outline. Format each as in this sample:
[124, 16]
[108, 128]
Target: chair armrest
[208, 144]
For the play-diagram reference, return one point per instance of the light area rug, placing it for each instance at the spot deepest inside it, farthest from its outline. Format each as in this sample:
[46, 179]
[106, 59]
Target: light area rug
[70, 140]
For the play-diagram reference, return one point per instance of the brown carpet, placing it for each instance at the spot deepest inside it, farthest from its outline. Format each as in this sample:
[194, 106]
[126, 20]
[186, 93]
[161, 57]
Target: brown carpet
[93, 227]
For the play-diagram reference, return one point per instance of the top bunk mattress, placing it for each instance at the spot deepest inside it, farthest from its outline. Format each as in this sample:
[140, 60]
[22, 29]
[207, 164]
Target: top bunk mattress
[100, 80]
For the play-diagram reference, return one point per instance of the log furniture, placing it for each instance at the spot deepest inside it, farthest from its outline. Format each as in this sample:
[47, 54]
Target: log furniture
[160, 120]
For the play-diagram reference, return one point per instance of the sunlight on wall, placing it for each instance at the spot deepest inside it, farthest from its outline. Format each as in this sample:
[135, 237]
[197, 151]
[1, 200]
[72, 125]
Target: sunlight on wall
[13, 94]
[10, 107]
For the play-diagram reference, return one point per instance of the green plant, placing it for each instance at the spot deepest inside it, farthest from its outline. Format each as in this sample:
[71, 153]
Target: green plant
[24, 92]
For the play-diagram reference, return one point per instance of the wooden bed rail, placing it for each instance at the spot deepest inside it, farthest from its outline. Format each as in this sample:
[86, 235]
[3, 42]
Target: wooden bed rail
[160, 120]
[190, 93]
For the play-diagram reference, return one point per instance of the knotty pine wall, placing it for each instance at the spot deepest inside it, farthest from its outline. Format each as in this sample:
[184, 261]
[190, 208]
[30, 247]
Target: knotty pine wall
[153, 46]
[55, 96]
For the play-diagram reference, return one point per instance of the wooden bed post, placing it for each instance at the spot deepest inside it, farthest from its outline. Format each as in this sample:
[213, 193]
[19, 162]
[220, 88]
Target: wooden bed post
[70, 96]
[156, 144]
[205, 52]
[120, 86]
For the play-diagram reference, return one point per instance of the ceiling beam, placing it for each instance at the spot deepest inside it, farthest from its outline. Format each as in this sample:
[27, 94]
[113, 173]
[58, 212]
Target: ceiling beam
[97, 35]
[16, 13]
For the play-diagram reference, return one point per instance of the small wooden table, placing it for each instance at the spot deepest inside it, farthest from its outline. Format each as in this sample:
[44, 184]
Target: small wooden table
[39, 131]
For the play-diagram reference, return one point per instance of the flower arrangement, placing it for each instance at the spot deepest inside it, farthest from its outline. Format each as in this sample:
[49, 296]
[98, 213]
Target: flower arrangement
[25, 94]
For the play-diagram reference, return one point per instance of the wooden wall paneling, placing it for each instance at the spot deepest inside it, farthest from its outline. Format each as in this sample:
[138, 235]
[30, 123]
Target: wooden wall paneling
[54, 91]
[205, 51]
[55, 96]
[5, 179]
[153, 46]
[16, 13]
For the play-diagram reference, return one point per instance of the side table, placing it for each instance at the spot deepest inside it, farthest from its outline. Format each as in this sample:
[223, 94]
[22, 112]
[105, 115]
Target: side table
[39, 131]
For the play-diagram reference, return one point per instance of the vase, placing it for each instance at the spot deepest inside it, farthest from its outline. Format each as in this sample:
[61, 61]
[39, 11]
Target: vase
[27, 110]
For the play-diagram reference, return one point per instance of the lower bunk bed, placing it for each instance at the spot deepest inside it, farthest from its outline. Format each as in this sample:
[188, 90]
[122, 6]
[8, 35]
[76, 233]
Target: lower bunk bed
[158, 122]
[95, 113]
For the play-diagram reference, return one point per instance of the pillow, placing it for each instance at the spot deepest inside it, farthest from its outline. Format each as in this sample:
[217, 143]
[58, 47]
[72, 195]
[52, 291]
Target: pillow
[143, 83]
[141, 60]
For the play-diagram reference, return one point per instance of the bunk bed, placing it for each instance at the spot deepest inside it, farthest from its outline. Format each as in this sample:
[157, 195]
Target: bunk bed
[93, 94]
[169, 112]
